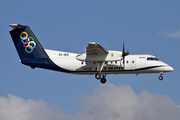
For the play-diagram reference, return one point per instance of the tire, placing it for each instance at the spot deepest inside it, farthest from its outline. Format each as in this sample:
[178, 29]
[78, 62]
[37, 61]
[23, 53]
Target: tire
[103, 80]
[98, 76]
[160, 77]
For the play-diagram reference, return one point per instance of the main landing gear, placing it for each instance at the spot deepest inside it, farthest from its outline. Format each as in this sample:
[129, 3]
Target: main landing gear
[161, 76]
[103, 79]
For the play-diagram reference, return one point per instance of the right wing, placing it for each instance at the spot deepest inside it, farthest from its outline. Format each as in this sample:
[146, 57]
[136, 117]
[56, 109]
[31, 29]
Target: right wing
[94, 53]
[95, 48]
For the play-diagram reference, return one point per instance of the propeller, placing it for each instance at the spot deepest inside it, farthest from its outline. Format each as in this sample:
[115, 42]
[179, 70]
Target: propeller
[124, 53]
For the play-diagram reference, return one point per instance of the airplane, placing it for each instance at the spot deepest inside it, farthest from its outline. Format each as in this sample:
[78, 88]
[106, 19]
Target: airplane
[95, 61]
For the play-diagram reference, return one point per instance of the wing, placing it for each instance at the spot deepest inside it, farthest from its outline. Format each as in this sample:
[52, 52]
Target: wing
[94, 52]
[95, 48]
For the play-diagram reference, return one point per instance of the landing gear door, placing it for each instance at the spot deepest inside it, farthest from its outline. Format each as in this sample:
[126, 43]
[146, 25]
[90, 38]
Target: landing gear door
[133, 64]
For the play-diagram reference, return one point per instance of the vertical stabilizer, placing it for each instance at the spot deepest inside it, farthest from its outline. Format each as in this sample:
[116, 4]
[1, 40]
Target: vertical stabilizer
[30, 51]
[26, 43]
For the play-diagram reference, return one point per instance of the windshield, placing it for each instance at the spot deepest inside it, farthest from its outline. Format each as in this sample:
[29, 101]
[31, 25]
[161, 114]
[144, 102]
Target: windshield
[152, 59]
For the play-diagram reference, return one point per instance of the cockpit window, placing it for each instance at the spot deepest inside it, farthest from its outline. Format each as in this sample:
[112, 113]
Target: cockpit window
[156, 59]
[152, 59]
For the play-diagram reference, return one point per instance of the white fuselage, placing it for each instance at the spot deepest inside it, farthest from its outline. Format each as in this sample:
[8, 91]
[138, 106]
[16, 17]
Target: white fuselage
[133, 64]
[96, 60]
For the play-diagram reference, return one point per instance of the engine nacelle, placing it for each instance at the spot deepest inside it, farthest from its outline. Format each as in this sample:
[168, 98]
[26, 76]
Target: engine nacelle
[111, 56]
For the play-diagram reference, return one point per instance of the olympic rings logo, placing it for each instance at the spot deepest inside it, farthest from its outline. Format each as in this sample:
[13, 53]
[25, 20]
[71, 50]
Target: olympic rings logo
[28, 42]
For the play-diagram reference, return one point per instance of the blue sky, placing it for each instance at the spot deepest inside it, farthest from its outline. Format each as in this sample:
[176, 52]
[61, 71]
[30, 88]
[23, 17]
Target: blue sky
[146, 27]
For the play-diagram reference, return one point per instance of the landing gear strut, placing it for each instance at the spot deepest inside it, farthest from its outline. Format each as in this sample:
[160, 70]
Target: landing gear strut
[161, 76]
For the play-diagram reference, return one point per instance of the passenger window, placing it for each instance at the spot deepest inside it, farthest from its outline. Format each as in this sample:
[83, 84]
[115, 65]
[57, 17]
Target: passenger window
[133, 61]
[127, 61]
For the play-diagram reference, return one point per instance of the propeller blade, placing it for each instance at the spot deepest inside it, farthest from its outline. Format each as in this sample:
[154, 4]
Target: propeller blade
[124, 53]
[127, 52]
[123, 50]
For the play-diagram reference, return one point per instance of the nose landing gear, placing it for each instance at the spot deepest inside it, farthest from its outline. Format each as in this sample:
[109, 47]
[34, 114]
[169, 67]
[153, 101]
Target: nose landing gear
[161, 76]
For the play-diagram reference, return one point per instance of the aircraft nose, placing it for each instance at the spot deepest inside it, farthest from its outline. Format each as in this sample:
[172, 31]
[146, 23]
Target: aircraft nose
[170, 69]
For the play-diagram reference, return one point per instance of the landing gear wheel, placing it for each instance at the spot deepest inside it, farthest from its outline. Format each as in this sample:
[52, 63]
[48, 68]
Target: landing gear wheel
[161, 77]
[98, 76]
[103, 80]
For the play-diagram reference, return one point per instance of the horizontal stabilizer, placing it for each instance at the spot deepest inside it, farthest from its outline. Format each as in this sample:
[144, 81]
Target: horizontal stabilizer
[15, 26]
